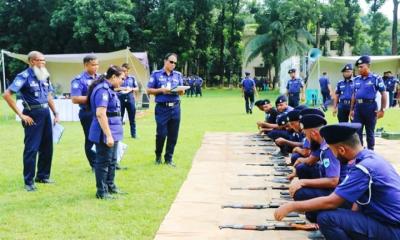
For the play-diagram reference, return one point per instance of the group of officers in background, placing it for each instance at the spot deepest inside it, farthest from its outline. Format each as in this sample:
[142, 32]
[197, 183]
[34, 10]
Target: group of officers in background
[103, 99]
[195, 83]
[348, 190]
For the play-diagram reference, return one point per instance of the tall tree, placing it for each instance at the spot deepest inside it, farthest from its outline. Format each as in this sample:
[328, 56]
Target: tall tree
[394, 27]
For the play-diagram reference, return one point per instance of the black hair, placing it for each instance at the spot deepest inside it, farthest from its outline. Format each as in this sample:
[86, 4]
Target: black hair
[89, 58]
[125, 65]
[169, 55]
[112, 70]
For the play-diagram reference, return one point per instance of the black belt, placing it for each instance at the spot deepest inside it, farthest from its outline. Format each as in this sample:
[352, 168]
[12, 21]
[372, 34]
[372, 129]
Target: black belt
[113, 114]
[344, 101]
[35, 106]
[168, 104]
[365, 100]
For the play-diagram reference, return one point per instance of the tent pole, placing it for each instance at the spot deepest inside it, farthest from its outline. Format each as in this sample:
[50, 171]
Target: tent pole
[4, 70]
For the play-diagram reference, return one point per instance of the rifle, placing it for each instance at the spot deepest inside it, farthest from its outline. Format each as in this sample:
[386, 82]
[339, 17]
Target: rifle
[296, 221]
[263, 175]
[283, 169]
[272, 226]
[280, 187]
[252, 206]
[268, 164]
[284, 193]
[280, 180]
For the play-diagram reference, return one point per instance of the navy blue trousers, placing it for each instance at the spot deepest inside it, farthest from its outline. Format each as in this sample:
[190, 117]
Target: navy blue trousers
[106, 160]
[129, 104]
[198, 91]
[326, 99]
[277, 133]
[168, 120]
[364, 113]
[249, 101]
[343, 112]
[345, 224]
[304, 171]
[86, 118]
[310, 193]
[294, 157]
[391, 99]
[38, 139]
[294, 99]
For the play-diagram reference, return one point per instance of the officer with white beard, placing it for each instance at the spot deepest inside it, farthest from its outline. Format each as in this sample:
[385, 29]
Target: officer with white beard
[35, 90]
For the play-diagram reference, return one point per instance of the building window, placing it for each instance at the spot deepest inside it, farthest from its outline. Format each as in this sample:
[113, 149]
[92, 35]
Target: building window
[334, 46]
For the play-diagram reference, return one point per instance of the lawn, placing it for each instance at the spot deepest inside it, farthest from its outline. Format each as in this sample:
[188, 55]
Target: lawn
[69, 209]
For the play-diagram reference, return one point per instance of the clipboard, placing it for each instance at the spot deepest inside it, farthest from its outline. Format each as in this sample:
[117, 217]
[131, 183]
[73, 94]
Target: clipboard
[180, 88]
[58, 131]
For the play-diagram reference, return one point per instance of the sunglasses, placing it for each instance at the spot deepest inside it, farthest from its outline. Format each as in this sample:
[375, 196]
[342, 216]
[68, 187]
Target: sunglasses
[172, 62]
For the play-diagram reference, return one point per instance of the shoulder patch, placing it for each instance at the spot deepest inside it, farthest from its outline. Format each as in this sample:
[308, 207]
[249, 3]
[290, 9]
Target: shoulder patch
[19, 82]
[326, 162]
[105, 96]
[25, 74]
[75, 85]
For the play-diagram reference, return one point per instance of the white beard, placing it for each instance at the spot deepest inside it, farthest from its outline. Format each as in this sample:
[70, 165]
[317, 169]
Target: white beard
[41, 73]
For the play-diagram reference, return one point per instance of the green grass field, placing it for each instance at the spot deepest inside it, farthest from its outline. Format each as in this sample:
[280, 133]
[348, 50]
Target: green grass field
[69, 209]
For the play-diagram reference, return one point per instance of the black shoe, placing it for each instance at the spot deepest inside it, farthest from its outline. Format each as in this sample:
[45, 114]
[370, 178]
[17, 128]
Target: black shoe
[105, 196]
[158, 161]
[45, 181]
[134, 136]
[251, 111]
[118, 167]
[115, 190]
[30, 188]
[170, 163]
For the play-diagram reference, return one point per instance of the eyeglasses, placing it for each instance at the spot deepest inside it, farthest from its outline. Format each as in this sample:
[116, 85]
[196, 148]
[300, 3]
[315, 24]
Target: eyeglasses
[172, 62]
[40, 60]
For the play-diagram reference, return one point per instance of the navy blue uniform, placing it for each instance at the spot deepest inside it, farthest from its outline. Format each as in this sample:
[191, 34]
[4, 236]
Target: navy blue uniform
[248, 86]
[190, 82]
[390, 83]
[374, 185]
[325, 92]
[128, 102]
[79, 87]
[38, 137]
[198, 83]
[344, 92]
[294, 87]
[365, 105]
[106, 157]
[167, 112]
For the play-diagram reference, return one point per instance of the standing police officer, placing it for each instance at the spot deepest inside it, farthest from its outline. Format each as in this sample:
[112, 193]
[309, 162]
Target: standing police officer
[79, 89]
[198, 83]
[167, 110]
[35, 88]
[127, 98]
[326, 90]
[106, 129]
[343, 94]
[363, 105]
[248, 90]
[372, 185]
[294, 87]
[390, 83]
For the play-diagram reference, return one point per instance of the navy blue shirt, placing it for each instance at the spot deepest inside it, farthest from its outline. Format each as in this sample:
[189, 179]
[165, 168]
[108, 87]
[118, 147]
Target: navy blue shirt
[80, 85]
[323, 83]
[130, 82]
[330, 165]
[248, 84]
[159, 79]
[344, 89]
[270, 117]
[198, 81]
[385, 188]
[294, 85]
[366, 88]
[32, 90]
[390, 83]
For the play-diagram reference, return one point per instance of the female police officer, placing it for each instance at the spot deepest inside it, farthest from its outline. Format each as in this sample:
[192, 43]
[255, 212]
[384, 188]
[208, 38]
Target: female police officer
[106, 129]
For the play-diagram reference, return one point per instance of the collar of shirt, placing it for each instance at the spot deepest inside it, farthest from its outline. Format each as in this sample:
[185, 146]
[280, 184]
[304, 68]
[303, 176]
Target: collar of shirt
[165, 72]
[88, 76]
[365, 78]
[348, 80]
[361, 155]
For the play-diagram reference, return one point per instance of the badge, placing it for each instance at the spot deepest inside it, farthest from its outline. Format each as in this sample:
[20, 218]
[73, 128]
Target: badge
[380, 84]
[89, 82]
[151, 79]
[326, 162]
[36, 94]
[105, 96]
[75, 85]
[18, 83]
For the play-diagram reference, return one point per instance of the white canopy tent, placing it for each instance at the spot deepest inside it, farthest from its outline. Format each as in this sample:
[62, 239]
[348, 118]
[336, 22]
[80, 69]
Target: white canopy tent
[334, 65]
[64, 67]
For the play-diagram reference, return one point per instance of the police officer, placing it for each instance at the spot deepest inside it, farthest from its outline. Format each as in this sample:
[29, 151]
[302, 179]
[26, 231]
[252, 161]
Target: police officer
[326, 90]
[35, 90]
[127, 98]
[390, 83]
[198, 83]
[372, 185]
[363, 106]
[248, 90]
[106, 129]
[282, 108]
[190, 91]
[79, 88]
[270, 116]
[167, 110]
[294, 87]
[343, 94]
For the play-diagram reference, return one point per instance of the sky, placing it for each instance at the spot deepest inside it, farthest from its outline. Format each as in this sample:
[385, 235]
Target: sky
[386, 9]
